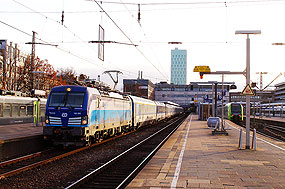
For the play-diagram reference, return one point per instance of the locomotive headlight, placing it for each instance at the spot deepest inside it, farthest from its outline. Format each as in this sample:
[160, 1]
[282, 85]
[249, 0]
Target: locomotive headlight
[47, 120]
[84, 120]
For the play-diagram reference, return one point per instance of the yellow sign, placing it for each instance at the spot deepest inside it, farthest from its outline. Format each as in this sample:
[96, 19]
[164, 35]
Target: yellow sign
[247, 91]
[202, 69]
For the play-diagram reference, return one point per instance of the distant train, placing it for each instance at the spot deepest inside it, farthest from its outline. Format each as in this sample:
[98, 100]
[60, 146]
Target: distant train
[14, 109]
[232, 111]
[32, 93]
[77, 115]
[270, 109]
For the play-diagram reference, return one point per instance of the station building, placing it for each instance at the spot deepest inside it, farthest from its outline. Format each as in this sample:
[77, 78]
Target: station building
[279, 92]
[195, 92]
[184, 95]
[139, 87]
[260, 97]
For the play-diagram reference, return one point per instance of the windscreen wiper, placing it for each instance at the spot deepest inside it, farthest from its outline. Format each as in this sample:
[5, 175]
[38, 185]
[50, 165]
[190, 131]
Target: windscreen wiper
[69, 106]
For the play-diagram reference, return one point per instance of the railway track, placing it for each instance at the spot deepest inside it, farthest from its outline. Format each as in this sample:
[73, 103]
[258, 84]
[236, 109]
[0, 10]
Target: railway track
[268, 130]
[119, 171]
[18, 165]
[275, 131]
[27, 162]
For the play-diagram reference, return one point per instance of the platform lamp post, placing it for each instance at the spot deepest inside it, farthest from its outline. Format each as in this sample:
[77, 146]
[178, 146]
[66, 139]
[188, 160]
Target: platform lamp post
[247, 33]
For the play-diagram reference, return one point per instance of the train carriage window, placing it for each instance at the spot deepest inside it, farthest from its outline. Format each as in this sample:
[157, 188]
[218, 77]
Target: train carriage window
[137, 109]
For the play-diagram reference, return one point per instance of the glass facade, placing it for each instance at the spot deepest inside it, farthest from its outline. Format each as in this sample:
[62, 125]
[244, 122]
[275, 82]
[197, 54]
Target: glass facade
[178, 66]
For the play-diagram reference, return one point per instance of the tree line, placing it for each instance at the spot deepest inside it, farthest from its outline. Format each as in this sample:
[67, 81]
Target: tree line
[41, 76]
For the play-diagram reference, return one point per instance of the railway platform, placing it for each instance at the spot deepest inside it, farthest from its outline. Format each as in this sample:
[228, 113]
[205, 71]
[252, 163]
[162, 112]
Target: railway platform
[18, 139]
[18, 131]
[194, 158]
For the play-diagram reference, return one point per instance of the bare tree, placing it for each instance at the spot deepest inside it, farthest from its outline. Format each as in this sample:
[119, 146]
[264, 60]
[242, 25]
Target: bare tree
[67, 75]
[45, 76]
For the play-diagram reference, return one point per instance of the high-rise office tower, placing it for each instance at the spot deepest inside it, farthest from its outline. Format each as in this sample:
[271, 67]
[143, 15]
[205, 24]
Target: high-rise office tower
[178, 66]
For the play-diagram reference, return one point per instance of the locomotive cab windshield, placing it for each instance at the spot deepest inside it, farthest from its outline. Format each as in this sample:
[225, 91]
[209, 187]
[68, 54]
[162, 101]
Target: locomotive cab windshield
[236, 108]
[66, 99]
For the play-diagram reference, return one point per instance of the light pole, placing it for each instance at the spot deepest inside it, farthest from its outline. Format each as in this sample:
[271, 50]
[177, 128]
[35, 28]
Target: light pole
[248, 32]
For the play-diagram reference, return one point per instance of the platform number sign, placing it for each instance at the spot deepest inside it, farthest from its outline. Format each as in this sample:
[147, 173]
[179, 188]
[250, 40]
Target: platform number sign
[101, 45]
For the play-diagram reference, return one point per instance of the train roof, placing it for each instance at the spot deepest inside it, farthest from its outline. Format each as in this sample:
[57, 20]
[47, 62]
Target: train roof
[16, 99]
[116, 95]
[171, 103]
[76, 88]
[159, 103]
[72, 87]
[141, 100]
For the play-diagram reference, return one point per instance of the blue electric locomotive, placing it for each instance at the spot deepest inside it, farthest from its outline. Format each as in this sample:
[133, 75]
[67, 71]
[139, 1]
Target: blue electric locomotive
[76, 115]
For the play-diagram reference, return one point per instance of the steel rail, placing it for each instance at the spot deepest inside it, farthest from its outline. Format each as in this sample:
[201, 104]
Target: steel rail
[43, 162]
[264, 134]
[15, 160]
[277, 128]
[149, 156]
[82, 180]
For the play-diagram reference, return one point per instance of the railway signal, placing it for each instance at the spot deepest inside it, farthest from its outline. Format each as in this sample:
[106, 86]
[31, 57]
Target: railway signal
[201, 70]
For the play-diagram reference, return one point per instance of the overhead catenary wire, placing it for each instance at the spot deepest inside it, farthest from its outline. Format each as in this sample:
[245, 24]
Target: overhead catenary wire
[63, 25]
[140, 26]
[220, 3]
[46, 42]
[193, 2]
[58, 22]
[16, 28]
[208, 42]
[116, 63]
[67, 51]
[127, 37]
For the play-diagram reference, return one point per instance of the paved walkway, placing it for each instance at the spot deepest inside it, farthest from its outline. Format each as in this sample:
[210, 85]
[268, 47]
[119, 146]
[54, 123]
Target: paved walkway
[17, 131]
[193, 158]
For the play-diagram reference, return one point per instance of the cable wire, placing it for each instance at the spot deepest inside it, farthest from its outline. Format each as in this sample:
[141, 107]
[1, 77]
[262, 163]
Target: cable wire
[128, 37]
[66, 51]
[58, 22]
[140, 26]
[194, 3]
